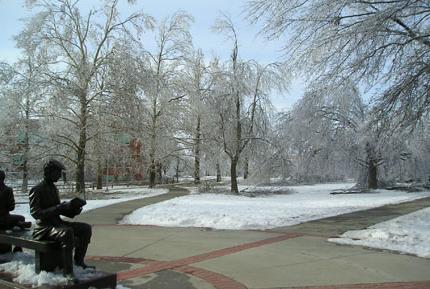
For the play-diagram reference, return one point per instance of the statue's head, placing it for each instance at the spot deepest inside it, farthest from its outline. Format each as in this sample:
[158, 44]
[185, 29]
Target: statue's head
[2, 176]
[52, 170]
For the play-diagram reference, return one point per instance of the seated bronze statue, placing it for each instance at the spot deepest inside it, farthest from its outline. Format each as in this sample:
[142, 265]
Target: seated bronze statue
[7, 205]
[46, 208]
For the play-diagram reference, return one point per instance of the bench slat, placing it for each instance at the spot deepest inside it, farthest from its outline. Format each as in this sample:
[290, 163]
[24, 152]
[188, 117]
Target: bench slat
[25, 240]
[48, 255]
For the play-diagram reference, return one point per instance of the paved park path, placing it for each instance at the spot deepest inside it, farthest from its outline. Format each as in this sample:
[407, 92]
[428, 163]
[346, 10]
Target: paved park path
[151, 257]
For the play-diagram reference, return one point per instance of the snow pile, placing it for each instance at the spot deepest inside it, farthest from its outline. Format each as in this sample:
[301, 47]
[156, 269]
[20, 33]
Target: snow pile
[21, 265]
[226, 211]
[408, 234]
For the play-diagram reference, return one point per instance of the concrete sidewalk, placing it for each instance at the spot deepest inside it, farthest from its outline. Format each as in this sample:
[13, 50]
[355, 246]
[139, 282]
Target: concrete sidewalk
[291, 257]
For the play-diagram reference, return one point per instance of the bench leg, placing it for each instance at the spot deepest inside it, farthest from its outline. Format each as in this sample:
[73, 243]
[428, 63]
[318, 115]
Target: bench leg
[48, 261]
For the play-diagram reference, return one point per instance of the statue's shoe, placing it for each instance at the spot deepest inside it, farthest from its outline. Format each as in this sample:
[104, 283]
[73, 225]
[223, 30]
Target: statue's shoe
[24, 225]
[17, 249]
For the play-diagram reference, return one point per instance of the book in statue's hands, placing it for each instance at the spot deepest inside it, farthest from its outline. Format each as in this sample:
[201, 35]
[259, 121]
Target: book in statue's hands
[77, 203]
[74, 207]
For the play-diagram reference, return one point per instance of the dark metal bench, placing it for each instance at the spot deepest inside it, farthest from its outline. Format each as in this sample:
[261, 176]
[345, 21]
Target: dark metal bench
[47, 253]
[48, 256]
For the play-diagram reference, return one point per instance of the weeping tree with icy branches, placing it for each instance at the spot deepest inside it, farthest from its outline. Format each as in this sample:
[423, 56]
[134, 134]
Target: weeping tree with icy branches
[381, 45]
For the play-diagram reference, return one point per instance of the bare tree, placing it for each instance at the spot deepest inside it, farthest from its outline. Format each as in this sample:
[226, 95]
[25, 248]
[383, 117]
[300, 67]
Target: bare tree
[79, 46]
[196, 84]
[242, 95]
[158, 95]
[26, 94]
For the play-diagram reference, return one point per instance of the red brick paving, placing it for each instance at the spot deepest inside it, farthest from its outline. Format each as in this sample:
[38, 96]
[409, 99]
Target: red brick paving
[160, 266]
[217, 280]
[220, 281]
[151, 268]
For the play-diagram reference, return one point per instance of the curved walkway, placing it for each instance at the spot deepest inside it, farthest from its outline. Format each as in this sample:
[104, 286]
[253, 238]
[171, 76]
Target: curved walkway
[337, 225]
[112, 214]
[291, 257]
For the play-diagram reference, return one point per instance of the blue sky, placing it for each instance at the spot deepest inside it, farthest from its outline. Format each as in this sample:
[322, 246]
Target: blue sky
[251, 45]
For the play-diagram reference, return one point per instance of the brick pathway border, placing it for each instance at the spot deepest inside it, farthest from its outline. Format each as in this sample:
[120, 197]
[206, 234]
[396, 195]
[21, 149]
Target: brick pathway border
[160, 266]
[217, 280]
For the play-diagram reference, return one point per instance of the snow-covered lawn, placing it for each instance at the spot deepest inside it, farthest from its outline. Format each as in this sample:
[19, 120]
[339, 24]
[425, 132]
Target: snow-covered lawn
[226, 211]
[116, 195]
[409, 234]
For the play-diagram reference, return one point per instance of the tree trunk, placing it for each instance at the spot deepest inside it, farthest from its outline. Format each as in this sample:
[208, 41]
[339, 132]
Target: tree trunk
[80, 171]
[246, 169]
[80, 165]
[159, 172]
[372, 168]
[152, 171]
[237, 149]
[152, 165]
[372, 178]
[233, 175]
[284, 170]
[99, 155]
[197, 152]
[177, 170]
[99, 177]
[27, 109]
[218, 172]
[24, 187]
